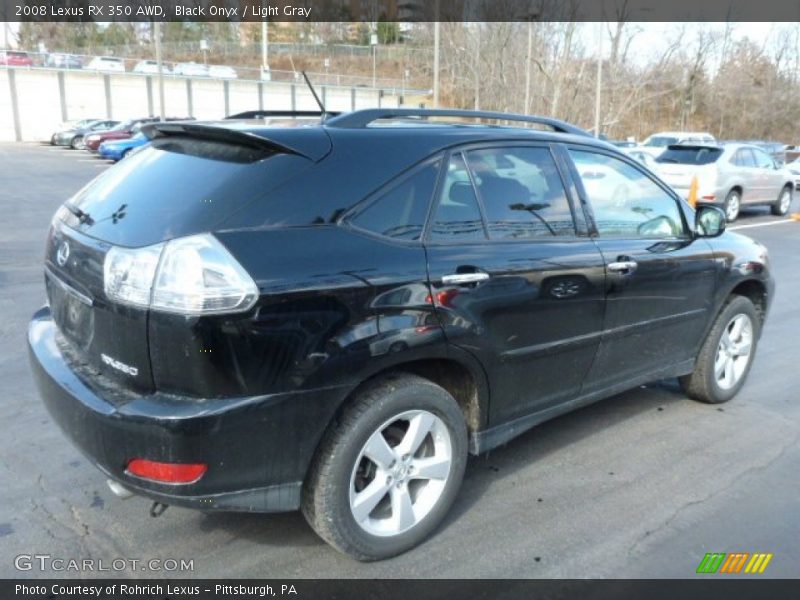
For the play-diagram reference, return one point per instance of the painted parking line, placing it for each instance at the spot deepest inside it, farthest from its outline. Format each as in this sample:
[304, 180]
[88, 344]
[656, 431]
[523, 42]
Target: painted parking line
[767, 224]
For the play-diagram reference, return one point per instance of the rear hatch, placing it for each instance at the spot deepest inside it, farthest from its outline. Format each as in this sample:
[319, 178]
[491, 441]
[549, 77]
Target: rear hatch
[185, 183]
[680, 163]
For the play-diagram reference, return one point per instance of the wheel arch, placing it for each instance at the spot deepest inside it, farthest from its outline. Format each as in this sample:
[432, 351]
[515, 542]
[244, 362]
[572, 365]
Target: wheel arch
[756, 291]
[738, 188]
[455, 370]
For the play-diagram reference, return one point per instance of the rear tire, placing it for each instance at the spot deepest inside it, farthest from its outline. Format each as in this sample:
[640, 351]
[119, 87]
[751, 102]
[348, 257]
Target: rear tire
[726, 355]
[374, 489]
[77, 143]
[732, 205]
[782, 204]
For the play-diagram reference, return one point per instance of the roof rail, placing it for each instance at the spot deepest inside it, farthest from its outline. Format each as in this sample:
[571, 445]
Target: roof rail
[361, 118]
[264, 114]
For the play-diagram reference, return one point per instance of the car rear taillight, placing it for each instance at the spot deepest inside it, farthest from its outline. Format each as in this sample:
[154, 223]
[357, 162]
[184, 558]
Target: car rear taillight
[194, 275]
[166, 472]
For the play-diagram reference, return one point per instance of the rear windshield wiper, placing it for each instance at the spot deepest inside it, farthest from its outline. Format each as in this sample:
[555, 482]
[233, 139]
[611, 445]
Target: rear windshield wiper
[83, 217]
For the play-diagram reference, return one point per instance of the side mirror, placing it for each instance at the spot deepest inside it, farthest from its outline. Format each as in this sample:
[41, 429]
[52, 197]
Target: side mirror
[709, 221]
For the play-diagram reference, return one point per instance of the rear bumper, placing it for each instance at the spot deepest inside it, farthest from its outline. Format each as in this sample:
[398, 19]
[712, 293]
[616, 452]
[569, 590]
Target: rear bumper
[257, 448]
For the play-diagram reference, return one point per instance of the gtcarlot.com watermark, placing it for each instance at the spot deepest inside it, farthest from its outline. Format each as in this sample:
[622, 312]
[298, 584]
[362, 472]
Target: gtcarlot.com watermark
[57, 564]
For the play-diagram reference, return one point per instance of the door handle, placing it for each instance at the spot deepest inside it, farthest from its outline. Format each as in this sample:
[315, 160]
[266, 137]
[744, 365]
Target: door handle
[623, 266]
[462, 278]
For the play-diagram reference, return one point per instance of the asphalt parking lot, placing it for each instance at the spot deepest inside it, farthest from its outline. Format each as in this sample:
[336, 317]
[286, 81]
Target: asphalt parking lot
[639, 485]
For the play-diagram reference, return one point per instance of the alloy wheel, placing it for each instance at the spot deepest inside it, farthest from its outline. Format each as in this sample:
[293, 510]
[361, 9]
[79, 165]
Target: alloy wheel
[400, 473]
[785, 200]
[733, 353]
[732, 207]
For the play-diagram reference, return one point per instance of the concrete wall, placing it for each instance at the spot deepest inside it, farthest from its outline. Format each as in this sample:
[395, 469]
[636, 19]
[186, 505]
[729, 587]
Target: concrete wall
[33, 102]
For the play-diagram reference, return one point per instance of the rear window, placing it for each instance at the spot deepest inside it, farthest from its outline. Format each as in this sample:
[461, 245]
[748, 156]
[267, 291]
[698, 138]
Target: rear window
[690, 155]
[176, 187]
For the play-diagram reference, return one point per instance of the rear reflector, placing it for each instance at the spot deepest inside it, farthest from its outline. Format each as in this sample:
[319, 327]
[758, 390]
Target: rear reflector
[166, 472]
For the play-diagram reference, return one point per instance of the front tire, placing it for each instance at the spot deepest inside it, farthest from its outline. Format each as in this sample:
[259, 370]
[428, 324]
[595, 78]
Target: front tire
[388, 471]
[782, 204]
[726, 355]
[732, 206]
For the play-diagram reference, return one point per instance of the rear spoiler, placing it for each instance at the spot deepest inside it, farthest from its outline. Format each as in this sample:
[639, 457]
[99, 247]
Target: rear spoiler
[238, 137]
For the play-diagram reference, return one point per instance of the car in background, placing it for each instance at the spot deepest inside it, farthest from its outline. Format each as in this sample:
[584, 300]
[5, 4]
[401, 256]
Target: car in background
[794, 168]
[122, 131]
[658, 142]
[776, 150]
[73, 135]
[623, 143]
[15, 58]
[728, 175]
[222, 72]
[643, 157]
[118, 149]
[150, 67]
[106, 64]
[62, 60]
[190, 69]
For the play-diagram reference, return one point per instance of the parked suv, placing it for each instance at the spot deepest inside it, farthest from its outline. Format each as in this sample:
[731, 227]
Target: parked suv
[658, 142]
[730, 175]
[331, 317]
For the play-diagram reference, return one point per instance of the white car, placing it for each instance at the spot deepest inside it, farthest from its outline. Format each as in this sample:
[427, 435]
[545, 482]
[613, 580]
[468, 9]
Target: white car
[794, 168]
[643, 157]
[222, 72]
[106, 64]
[190, 69]
[150, 67]
[658, 142]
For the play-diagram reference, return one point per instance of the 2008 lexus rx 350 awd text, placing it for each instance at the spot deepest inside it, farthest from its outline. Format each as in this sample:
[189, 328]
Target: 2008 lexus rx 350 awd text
[331, 316]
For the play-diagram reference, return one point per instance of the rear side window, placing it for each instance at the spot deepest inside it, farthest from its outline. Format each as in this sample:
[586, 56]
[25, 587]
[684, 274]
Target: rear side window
[522, 193]
[690, 155]
[457, 217]
[744, 158]
[400, 212]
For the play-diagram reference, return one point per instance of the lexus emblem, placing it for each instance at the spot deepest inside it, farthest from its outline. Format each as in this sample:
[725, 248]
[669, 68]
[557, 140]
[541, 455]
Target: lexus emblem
[63, 254]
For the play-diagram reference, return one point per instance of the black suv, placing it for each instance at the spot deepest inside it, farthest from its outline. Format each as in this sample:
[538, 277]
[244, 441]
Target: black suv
[332, 316]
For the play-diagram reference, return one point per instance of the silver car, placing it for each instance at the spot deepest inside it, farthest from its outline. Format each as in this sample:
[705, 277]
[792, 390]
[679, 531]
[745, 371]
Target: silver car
[729, 175]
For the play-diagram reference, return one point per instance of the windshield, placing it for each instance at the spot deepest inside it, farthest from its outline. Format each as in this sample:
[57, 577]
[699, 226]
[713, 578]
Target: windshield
[690, 155]
[660, 141]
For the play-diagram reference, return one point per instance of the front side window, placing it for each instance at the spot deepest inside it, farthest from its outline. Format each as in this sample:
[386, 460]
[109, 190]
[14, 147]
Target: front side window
[625, 201]
[400, 212]
[522, 193]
